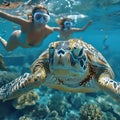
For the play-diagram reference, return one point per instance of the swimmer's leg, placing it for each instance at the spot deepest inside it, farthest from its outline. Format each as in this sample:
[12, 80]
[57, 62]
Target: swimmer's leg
[11, 44]
[3, 41]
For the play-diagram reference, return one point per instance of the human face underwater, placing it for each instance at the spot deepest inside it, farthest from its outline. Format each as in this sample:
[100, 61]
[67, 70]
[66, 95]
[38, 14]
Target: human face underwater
[67, 24]
[41, 17]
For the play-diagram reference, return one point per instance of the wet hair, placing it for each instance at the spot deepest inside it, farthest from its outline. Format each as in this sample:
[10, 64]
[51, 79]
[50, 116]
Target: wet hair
[61, 21]
[40, 7]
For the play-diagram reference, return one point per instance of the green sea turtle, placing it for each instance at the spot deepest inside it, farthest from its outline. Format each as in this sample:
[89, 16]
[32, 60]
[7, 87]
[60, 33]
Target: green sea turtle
[72, 66]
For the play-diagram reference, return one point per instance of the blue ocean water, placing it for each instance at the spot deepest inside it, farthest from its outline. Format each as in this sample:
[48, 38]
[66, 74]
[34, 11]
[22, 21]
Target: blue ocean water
[57, 105]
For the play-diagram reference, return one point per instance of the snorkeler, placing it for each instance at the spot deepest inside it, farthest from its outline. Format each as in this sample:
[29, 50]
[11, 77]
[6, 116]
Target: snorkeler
[32, 32]
[66, 29]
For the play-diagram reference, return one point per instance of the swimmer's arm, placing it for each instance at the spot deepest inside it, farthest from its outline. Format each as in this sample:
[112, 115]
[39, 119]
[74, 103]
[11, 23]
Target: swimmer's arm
[56, 28]
[13, 18]
[49, 29]
[83, 28]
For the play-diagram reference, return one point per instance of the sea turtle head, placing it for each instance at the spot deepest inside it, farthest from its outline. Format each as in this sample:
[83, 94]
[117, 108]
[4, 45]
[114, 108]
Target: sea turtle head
[67, 58]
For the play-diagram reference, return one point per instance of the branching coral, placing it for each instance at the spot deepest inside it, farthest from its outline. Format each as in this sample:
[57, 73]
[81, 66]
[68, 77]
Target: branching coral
[27, 99]
[53, 116]
[72, 115]
[91, 112]
[58, 103]
[25, 118]
[40, 112]
[107, 104]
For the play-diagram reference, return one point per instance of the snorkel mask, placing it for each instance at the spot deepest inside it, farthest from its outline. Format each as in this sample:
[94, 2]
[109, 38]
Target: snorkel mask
[67, 24]
[41, 17]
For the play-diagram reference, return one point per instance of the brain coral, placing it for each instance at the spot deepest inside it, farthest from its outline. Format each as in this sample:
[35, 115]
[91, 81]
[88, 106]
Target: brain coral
[91, 112]
[27, 99]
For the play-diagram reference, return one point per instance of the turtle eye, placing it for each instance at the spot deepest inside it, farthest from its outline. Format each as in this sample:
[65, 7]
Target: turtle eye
[75, 48]
[51, 49]
[76, 51]
[51, 46]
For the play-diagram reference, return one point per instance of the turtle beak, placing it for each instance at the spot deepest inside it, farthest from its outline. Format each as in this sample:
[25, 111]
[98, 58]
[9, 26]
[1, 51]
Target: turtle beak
[60, 61]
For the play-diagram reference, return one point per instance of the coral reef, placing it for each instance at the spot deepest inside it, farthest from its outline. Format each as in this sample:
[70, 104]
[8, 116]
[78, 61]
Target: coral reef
[77, 100]
[25, 117]
[27, 99]
[6, 77]
[91, 112]
[58, 103]
[53, 116]
[6, 109]
[110, 116]
[72, 115]
[40, 112]
[107, 104]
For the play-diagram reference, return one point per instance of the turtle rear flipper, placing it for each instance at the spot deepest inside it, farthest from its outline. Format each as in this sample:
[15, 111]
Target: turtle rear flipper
[110, 86]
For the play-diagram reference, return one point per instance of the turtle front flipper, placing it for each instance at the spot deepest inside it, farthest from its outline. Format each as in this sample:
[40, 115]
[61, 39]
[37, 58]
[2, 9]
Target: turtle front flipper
[21, 85]
[109, 86]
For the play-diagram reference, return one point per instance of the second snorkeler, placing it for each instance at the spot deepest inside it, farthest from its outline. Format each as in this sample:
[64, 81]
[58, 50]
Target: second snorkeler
[65, 28]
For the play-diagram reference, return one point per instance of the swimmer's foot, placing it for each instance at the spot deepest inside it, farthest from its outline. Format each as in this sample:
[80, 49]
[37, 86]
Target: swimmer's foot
[3, 41]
